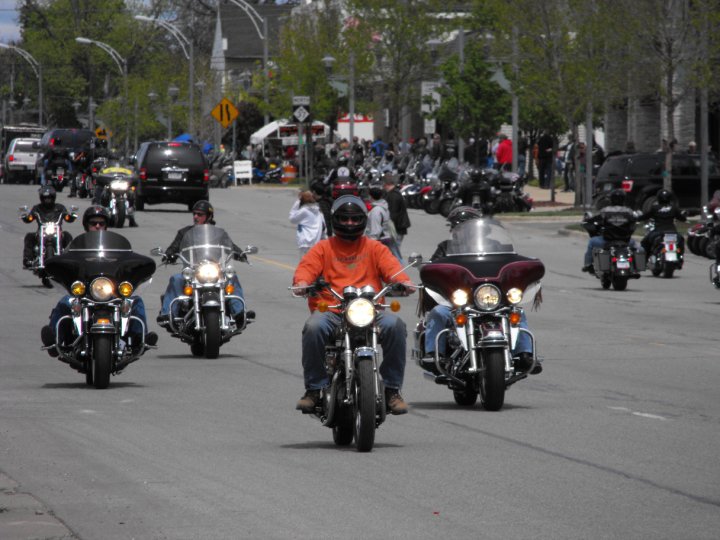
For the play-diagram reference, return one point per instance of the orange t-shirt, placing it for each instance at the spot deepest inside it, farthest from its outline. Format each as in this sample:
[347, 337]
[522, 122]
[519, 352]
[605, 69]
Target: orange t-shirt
[342, 264]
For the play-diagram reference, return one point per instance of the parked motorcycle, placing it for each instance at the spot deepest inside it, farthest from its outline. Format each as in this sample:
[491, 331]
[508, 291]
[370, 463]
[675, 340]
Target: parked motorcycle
[101, 273]
[509, 196]
[48, 239]
[222, 171]
[354, 403]
[204, 320]
[484, 283]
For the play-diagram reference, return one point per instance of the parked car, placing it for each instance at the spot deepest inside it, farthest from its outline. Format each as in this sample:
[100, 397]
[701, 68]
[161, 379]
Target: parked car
[170, 172]
[20, 159]
[640, 176]
[63, 141]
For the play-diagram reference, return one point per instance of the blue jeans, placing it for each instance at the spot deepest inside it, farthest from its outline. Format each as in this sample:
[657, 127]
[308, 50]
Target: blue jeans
[440, 317]
[316, 334]
[599, 242]
[65, 331]
[175, 289]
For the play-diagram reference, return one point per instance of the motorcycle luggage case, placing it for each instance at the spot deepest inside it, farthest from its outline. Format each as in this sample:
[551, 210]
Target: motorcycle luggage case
[601, 260]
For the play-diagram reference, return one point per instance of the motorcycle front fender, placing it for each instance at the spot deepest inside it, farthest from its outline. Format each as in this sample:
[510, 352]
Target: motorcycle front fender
[210, 299]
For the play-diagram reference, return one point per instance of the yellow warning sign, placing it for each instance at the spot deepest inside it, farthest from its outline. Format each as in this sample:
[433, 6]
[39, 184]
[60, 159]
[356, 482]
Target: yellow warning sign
[225, 112]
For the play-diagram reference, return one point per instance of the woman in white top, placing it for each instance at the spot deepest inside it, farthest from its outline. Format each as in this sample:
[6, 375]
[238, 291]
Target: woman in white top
[305, 214]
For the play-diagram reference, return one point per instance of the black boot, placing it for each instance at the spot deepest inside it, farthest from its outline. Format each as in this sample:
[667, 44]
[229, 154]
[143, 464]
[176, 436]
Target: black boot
[47, 336]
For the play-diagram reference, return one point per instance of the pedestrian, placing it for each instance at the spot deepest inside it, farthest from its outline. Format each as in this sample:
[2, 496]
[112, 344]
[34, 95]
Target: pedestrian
[306, 215]
[545, 160]
[522, 149]
[503, 153]
[398, 210]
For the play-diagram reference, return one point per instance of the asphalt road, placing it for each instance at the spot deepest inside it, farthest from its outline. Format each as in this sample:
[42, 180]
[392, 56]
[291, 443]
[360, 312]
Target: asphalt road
[617, 438]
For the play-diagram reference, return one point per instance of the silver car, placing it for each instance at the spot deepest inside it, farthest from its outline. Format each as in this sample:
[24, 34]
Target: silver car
[20, 159]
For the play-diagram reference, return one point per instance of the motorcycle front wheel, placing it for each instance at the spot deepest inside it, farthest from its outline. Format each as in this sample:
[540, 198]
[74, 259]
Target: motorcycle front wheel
[211, 321]
[101, 358]
[492, 380]
[364, 406]
[120, 215]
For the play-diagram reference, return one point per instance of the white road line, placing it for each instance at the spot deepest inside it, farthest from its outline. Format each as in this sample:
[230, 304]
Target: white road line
[636, 413]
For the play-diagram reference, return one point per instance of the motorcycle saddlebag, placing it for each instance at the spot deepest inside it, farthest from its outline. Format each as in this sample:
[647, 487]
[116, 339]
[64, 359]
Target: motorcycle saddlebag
[601, 260]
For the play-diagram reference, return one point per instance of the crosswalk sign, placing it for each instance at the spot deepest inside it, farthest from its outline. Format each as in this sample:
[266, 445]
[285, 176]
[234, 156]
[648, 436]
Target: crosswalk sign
[225, 112]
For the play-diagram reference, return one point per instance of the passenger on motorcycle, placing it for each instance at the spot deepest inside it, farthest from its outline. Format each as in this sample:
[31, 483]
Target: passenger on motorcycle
[440, 317]
[664, 211]
[614, 222]
[350, 258]
[203, 213]
[95, 219]
[48, 210]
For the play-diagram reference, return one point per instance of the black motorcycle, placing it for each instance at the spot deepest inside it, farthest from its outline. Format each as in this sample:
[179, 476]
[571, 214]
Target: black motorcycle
[204, 321]
[617, 262]
[665, 253]
[101, 273]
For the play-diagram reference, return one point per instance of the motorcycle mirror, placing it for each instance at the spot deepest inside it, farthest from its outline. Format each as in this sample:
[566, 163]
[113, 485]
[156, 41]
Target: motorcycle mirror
[157, 251]
[415, 259]
[251, 249]
[23, 208]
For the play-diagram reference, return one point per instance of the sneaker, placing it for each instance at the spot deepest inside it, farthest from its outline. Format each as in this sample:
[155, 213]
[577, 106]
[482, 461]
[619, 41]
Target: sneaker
[308, 402]
[394, 401]
[47, 336]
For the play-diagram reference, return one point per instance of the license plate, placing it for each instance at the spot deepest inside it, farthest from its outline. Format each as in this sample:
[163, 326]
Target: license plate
[670, 256]
[175, 176]
[670, 238]
[623, 265]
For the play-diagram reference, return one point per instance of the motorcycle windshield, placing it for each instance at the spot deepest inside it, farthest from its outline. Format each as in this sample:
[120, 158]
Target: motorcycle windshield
[484, 236]
[206, 243]
[100, 253]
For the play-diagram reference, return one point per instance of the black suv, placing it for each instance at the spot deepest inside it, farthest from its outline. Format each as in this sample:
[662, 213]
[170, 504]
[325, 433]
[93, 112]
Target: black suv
[63, 141]
[640, 176]
[173, 171]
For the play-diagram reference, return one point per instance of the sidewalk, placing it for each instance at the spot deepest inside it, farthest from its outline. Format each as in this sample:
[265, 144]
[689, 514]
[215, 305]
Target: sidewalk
[541, 198]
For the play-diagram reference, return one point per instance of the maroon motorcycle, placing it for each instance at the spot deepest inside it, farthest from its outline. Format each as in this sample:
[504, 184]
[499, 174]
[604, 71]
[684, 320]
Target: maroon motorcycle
[472, 303]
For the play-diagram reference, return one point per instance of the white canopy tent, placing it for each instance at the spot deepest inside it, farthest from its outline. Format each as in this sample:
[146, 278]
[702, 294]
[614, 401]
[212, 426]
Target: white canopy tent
[273, 131]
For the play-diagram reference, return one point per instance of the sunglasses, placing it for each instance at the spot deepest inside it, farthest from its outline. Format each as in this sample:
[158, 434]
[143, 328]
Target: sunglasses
[351, 219]
[97, 223]
[199, 214]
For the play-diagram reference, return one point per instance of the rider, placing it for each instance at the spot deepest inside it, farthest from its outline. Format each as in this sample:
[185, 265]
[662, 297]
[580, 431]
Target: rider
[614, 223]
[104, 177]
[664, 211]
[440, 317]
[95, 218]
[47, 210]
[203, 213]
[477, 192]
[342, 172]
[350, 258]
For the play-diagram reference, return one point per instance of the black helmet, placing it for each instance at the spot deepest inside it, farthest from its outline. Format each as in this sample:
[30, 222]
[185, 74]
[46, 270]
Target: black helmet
[664, 196]
[205, 207]
[95, 211]
[617, 198]
[347, 206]
[318, 188]
[47, 196]
[461, 214]
[376, 191]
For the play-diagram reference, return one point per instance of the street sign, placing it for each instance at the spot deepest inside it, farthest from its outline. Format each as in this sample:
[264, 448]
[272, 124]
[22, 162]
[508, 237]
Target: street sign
[301, 108]
[102, 133]
[225, 112]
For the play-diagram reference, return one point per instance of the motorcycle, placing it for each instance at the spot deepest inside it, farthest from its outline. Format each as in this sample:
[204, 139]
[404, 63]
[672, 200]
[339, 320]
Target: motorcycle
[665, 255]
[484, 283]
[509, 196]
[445, 185]
[222, 172]
[204, 321]
[617, 262]
[354, 403]
[48, 239]
[56, 175]
[101, 272]
[117, 194]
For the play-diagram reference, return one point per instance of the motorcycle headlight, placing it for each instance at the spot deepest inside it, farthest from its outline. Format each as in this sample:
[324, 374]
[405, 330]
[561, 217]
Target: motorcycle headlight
[487, 297]
[50, 228]
[360, 312]
[207, 272]
[514, 295]
[119, 185]
[460, 297]
[102, 289]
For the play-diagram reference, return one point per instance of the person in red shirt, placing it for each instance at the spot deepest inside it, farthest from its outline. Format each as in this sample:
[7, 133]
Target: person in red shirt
[349, 258]
[503, 154]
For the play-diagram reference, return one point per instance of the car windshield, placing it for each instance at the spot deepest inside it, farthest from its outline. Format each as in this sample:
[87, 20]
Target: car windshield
[482, 236]
[206, 243]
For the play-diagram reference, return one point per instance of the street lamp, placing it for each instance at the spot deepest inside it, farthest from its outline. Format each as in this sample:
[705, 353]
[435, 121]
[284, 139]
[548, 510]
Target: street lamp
[258, 20]
[122, 66]
[329, 62]
[37, 68]
[189, 51]
[200, 85]
[173, 92]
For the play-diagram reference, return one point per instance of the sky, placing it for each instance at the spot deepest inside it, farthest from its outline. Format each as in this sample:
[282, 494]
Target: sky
[9, 29]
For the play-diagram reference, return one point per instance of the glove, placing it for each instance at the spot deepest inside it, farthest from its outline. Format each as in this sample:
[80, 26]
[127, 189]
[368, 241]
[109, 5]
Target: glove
[242, 257]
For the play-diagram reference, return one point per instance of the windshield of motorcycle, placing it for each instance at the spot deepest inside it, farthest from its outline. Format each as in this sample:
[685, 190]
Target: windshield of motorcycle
[100, 242]
[206, 243]
[480, 237]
